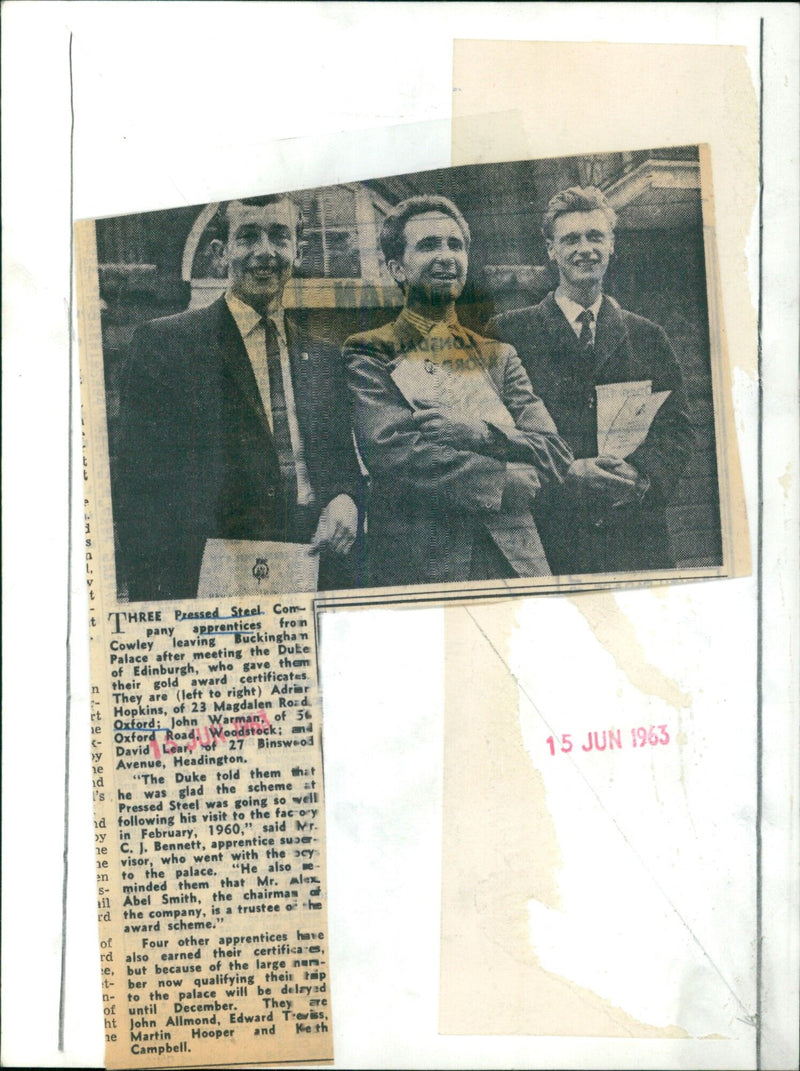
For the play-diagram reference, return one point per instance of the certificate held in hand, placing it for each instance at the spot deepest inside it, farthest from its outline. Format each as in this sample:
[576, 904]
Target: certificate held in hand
[625, 412]
[424, 380]
[255, 567]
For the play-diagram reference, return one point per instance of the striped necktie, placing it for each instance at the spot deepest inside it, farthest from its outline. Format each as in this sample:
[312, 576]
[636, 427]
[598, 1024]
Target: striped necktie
[280, 422]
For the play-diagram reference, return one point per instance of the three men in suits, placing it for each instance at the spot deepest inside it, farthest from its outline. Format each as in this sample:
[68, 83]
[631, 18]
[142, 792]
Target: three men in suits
[452, 484]
[234, 426]
[608, 515]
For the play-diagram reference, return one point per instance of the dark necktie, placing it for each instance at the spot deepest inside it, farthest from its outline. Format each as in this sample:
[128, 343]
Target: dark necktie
[586, 343]
[586, 339]
[280, 421]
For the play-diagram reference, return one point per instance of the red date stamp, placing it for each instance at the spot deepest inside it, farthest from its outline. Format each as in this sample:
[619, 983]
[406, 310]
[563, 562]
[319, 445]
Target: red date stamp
[612, 739]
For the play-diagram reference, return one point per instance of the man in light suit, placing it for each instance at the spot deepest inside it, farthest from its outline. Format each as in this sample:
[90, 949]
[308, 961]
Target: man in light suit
[608, 516]
[452, 487]
[233, 426]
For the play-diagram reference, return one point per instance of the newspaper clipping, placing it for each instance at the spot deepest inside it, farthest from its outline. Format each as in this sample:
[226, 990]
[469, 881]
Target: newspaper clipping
[456, 384]
[207, 779]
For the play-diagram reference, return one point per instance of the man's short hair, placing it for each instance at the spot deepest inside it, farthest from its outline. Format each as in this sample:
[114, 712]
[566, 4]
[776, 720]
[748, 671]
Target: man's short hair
[576, 199]
[223, 220]
[393, 239]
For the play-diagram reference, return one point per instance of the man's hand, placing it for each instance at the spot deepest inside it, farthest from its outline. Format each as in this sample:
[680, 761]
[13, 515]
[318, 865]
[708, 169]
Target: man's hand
[603, 477]
[337, 526]
[451, 427]
[622, 468]
[520, 488]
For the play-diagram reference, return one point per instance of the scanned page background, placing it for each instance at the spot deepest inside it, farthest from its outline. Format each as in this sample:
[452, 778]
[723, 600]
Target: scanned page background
[143, 140]
[564, 875]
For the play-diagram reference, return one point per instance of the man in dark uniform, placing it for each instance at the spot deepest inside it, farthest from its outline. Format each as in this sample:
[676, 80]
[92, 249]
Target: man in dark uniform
[608, 516]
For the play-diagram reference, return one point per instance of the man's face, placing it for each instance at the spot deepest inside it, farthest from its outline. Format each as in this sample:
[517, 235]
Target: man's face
[434, 264]
[261, 250]
[581, 247]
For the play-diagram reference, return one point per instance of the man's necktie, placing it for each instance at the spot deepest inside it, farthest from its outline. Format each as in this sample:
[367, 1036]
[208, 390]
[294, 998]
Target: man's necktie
[586, 343]
[586, 339]
[280, 421]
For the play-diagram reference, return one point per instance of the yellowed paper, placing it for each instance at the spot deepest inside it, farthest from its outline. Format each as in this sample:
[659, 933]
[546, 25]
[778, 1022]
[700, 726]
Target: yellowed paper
[512, 836]
[501, 852]
[582, 877]
[209, 804]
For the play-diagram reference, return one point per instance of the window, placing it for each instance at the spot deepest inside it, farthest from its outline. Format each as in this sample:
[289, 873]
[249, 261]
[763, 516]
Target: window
[339, 259]
[329, 248]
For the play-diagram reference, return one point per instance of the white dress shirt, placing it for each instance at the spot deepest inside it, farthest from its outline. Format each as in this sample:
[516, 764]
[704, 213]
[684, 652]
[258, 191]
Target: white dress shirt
[572, 310]
[251, 327]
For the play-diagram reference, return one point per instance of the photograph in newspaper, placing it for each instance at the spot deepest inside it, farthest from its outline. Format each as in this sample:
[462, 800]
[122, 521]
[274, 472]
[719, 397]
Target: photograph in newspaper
[487, 378]
[449, 385]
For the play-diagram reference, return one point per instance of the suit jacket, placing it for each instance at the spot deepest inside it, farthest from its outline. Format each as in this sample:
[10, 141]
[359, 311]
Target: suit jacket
[584, 537]
[197, 459]
[428, 503]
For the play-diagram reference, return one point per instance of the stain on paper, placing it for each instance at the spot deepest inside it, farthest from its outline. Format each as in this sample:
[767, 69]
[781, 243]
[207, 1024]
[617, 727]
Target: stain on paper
[500, 851]
[615, 630]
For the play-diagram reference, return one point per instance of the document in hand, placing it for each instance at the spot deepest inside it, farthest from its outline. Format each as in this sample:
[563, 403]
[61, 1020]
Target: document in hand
[467, 386]
[250, 567]
[625, 412]
[424, 379]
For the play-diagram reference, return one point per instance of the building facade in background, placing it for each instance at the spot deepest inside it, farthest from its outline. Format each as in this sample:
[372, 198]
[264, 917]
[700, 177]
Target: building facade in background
[158, 263]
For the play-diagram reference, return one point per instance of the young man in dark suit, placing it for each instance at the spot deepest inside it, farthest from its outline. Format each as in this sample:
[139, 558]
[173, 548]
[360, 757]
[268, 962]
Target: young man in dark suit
[452, 485]
[608, 516]
[234, 426]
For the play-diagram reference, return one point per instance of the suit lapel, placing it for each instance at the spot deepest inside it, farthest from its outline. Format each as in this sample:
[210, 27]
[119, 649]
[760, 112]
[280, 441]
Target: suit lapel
[611, 332]
[300, 365]
[560, 330]
[234, 355]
